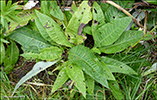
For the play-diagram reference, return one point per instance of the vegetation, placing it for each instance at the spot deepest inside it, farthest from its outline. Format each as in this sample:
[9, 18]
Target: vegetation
[92, 50]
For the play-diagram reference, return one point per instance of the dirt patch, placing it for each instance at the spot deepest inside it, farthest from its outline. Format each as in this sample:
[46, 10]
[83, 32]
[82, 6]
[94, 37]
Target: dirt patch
[23, 67]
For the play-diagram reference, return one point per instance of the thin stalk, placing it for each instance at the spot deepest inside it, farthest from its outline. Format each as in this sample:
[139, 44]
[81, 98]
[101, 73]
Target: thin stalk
[123, 10]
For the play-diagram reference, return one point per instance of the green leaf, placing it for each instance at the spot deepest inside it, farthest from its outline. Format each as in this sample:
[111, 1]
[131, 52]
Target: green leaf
[89, 84]
[43, 32]
[4, 23]
[9, 2]
[12, 8]
[75, 73]
[98, 14]
[38, 67]
[8, 13]
[110, 32]
[107, 72]
[95, 50]
[73, 7]
[52, 29]
[23, 19]
[81, 16]
[87, 30]
[68, 15]
[151, 70]
[2, 53]
[85, 59]
[29, 39]
[111, 12]
[11, 57]
[49, 54]
[3, 40]
[152, 1]
[30, 56]
[3, 5]
[45, 7]
[55, 11]
[128, 38]
[62, 77]
[115, 89]
[117, 66]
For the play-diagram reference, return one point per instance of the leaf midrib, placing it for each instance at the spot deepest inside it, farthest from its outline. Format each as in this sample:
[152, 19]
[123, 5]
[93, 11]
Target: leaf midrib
[83, 60]
[109, 34]
[121, 42]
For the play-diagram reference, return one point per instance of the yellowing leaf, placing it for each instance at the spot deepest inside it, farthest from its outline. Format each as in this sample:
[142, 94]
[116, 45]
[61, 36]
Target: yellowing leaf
[81, 16]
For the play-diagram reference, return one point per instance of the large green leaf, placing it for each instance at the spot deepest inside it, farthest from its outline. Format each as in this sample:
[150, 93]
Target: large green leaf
[56, 11]
[127, 39]
[84, 58]
[98, 18]
[81, 17]
[11, 57]
[117, 66]
[43, 32]
[49, 54]
[50, 8]
[30, 40]
[38, 67]
[75, 73]
[62, 77]
[49, 27]
[110, 32]
[113, 85]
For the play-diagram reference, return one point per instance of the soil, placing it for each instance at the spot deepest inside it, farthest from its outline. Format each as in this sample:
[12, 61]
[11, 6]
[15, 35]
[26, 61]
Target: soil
[23, 67]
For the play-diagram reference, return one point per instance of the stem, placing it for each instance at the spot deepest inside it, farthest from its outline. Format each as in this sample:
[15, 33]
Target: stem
[122, 9]
[145, 22]
[119, 7]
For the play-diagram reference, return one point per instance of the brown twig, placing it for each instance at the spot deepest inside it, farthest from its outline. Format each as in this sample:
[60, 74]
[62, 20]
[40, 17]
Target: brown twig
[122, 9]
[145, 22]
[97, 93]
